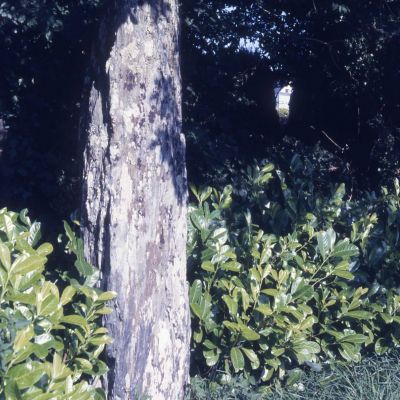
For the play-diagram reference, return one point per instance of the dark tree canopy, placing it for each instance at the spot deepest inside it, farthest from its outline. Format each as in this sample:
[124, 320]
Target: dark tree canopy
[341, 56]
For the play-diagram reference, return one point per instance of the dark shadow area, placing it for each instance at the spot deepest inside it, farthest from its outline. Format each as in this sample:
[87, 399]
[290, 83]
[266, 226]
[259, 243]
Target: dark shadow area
[229, 114]
[169, 140]
[343, 61]
[41, 88]
[40, 159]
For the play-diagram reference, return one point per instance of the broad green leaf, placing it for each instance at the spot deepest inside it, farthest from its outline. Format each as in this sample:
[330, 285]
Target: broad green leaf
[354, 338]
[342, 270]
[69, 232]
[237, 359]
[308, 322]
[34, 393]
[211, 356]
[381, 347]
[67, 295]
[252, 356]
[48, 306]
[349, 352]
[264, 309]
[11, 390]
[266, 374]
[195, 291]
[343, 274]
[3, 277]
[345, 250]
[83, 267]
[41, 348]
[306, 347]
[5, 256]
[104, 311]
[208, 266]
[23, 216]
[58, 368]
[197, 335]
[100, 330]
[45, 249]
[202, 308]
[99, 340]
[245, 299]
[232, 326]
[270, 292]
[26, 264]
[199, 221]
[331, 236]
[9, 227]
[74, 320]
[23, 337]
[209, 344]
[24, 298]
[231, 304]
[267, 168]
[277, 351]
[23, 354]
[294, 376]
[300, 290]
[362, 315]
[233, 266]
[93, 279]
[34, 234]
[248, 333]
[323, 244]
[26, 374]
[292, 311]
[220, 235]
[100, 368]
[83, 363]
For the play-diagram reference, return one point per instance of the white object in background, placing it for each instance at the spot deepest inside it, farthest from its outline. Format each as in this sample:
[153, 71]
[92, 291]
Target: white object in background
[283, 98]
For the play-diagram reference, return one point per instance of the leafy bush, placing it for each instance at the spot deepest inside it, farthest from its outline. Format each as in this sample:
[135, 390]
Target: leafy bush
[50, 341]
[237, 389]
[286, 273]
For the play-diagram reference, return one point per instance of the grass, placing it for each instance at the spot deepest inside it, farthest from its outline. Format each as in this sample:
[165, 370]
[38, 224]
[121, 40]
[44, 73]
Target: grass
[376, 378]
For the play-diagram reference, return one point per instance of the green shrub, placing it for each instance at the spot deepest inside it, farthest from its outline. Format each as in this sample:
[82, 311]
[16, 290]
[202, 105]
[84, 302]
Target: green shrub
[50, 340]
[237, 389]
[287, 273]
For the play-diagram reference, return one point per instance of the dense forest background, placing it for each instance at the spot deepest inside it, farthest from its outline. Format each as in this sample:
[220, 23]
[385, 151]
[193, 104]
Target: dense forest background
[341, 57]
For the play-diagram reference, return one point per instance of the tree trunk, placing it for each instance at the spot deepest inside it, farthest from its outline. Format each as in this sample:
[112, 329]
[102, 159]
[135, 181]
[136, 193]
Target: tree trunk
[135, 194]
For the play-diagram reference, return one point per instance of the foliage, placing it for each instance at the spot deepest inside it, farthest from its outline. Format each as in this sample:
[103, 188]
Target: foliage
[51, 339]
[372, 379]
[287, 272]
[236, 389]
[341, 57]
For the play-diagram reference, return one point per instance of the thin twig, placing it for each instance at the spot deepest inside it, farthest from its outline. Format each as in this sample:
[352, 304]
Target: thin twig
[329, 138]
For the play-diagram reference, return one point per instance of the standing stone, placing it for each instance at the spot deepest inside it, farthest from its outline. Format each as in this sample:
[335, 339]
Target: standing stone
[135, 195]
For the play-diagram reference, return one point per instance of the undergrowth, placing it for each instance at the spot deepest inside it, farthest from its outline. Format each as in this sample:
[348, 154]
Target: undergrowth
[375, 378]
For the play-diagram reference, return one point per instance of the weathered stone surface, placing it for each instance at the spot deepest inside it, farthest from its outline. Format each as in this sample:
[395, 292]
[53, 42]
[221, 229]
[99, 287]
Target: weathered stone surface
[135, 194]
